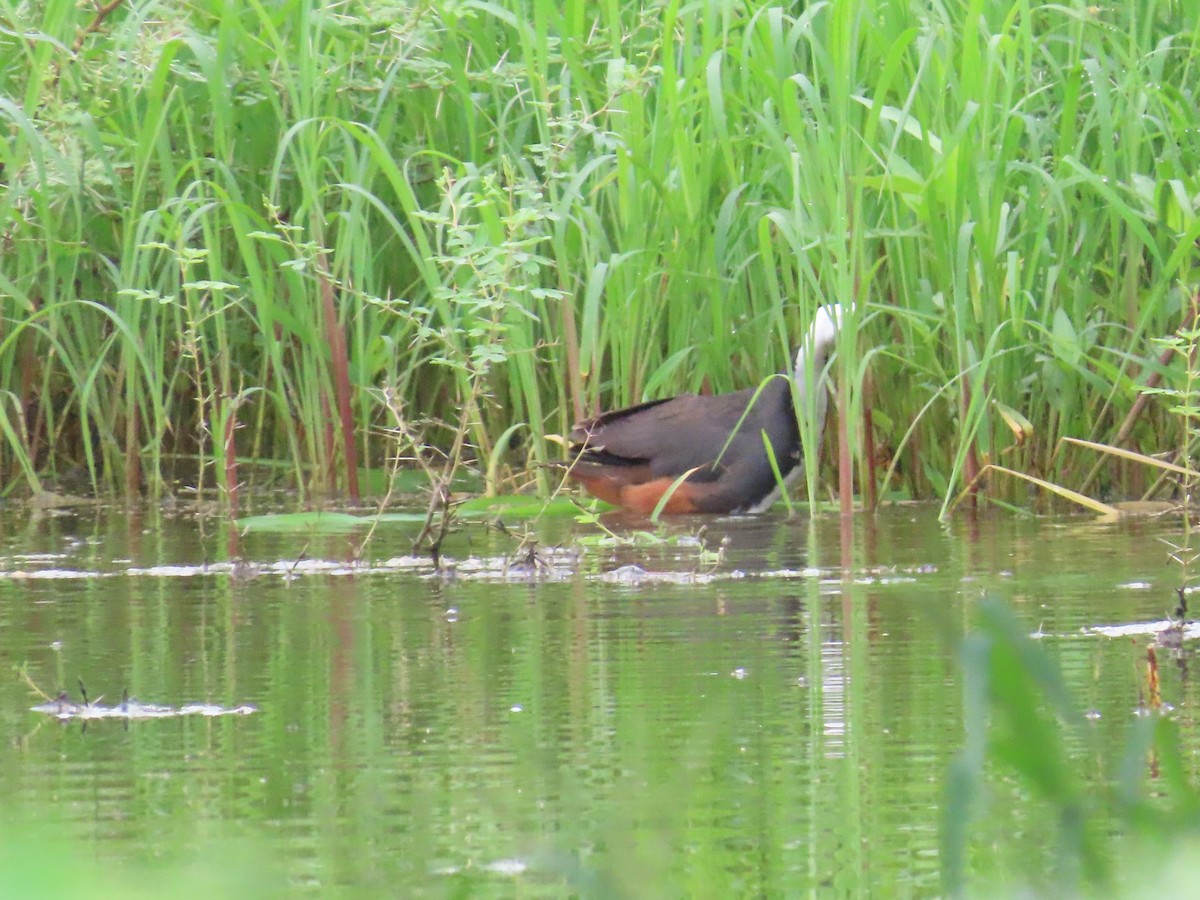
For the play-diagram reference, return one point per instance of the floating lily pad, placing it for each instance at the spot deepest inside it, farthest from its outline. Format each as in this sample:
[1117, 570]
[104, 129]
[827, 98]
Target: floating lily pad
[515, 507]
[304, 522]
[322, 522]
[417, 517]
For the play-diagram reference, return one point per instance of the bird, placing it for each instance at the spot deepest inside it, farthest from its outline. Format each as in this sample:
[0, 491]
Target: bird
[632, 457]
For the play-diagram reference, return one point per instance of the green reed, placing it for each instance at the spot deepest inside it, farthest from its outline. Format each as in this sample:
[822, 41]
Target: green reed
[227, 228]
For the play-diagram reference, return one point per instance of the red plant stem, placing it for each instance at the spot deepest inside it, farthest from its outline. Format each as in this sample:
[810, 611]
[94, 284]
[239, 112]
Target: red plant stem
[845, 463]
[870, 492]
[231, 466]
[341, 381]
[574, 375]
[133, 456]
[971, 464]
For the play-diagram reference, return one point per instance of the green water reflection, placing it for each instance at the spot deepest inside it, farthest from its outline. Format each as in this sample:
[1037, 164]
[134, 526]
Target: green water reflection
[742, 736]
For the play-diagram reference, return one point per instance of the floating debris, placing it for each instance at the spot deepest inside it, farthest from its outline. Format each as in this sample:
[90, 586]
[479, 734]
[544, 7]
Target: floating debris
[1169, 630]
[636, 575]
[626, 575]
[545, 564]
[508, 867]
[63, 707]
[512, 867]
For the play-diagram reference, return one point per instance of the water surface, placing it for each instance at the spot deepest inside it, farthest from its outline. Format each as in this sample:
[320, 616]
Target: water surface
[649, 720]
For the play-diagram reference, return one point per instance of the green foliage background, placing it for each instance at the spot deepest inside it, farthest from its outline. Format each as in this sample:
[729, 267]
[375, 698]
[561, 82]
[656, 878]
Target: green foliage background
[521, 211]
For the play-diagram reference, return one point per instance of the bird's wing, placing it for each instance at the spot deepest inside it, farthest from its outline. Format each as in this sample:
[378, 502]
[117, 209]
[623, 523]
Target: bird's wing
[672, 436]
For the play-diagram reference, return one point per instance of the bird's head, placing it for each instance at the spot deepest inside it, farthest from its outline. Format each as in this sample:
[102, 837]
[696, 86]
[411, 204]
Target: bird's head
[820, 341]
[825, 326]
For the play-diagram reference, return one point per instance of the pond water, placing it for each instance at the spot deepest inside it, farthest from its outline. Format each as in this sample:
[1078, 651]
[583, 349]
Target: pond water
[661, 719]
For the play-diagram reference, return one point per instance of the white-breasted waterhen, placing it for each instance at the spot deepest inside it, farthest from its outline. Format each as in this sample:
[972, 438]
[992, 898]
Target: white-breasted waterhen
[631, 457]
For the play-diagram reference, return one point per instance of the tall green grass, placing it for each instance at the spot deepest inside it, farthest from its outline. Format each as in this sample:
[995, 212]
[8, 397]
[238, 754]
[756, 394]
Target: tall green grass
[226, 228]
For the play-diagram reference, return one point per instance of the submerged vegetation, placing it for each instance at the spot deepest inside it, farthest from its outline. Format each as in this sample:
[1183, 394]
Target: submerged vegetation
[244, 232]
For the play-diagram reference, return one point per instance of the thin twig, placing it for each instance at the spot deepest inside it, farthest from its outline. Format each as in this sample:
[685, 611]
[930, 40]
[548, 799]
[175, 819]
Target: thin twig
[102, 13]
